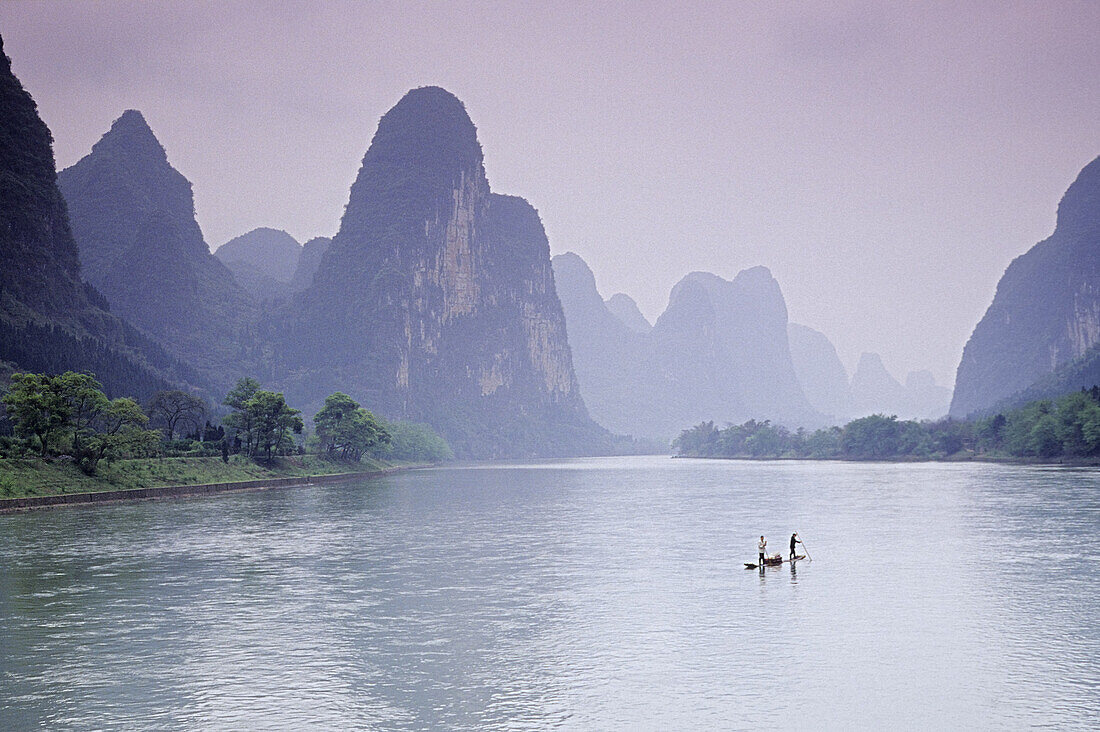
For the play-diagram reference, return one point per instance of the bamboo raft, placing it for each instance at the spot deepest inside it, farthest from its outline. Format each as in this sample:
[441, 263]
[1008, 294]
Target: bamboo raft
[774, 560]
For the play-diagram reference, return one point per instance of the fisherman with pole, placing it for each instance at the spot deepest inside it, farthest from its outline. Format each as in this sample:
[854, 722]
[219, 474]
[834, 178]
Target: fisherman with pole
[794, 540]
[763, 547]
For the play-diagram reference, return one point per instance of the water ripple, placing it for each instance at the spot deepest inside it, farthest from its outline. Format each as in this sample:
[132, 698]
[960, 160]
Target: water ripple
[584, 594]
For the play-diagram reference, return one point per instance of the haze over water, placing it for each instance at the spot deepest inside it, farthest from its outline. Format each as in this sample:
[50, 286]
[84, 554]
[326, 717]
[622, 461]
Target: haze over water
[581, 594]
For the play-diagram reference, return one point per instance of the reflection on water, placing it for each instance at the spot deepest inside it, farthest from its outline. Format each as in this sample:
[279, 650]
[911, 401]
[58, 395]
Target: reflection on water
[577, 594]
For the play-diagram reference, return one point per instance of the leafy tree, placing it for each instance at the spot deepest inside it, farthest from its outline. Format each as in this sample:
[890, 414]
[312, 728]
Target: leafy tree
[1043, 438]
[85, 400]
[875, 436]
[346, 429]
[766, 440]
[74, 405]
[37, 408]
[272, 422]
[1019, 425]
[240, 420]
[990, 433]
[174, 408]
[118, 432]
[331, 421]
[823, 443]
[701, 440]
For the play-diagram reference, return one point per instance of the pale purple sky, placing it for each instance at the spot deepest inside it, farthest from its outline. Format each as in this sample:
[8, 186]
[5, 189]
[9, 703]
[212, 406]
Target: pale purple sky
[885, 160]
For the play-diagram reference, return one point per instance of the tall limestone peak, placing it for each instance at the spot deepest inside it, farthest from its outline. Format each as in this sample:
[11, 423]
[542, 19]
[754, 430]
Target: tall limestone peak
[130, 136]
[1046, 311]
[613, 363]
[1079, 209]
[49, 320]
[133, 217]
[436, 301]
[128, 173]
[428, 129]
[735, 332]
[424, 151]
[577, 281]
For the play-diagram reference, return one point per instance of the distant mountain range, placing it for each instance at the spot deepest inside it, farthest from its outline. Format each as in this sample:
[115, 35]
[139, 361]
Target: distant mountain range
[723, 350]
[719, 351]
[437, 301]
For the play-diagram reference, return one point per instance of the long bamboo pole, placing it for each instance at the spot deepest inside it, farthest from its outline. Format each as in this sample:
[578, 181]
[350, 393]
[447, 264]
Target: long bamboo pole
[806, 550]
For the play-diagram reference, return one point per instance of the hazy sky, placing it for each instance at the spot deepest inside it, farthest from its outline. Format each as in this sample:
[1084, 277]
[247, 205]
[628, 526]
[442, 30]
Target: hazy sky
[885, 160]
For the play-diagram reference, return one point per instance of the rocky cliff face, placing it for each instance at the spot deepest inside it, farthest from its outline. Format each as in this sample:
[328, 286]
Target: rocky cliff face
[308, 262]
[39, 268]
[718, 352]
[133, 218]
[820, 371]
[436, 301]
[263, 261]
[49, 320]
[1046, 311]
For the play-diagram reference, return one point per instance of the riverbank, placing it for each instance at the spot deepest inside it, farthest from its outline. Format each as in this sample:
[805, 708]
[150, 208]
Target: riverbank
[39, 479]
[1083, 462]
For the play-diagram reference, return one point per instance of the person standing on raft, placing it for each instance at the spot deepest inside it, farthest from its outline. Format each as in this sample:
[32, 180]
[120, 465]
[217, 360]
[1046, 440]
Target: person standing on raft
[763, 547]
[794, 540]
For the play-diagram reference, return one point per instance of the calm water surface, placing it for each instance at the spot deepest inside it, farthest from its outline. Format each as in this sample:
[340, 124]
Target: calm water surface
[586, 594]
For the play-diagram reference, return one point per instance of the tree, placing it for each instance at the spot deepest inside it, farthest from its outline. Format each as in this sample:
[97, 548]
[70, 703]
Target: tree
[174, 408]
[331, 421]
[272, 422]
[118, 432]
[345, 428]
[1043, 439]
[37, 408]
[85, 400]
[875, 436]
[699, 441]
[73, 404]
[240, 420]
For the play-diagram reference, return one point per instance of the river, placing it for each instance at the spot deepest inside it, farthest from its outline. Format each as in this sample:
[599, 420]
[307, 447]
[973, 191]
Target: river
[579, 594]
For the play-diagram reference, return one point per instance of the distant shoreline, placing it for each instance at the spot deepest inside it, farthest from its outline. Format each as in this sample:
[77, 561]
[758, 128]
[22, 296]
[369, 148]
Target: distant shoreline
[1093, 462]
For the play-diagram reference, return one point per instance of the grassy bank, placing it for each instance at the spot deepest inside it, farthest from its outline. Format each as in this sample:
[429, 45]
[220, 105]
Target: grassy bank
[19, 478]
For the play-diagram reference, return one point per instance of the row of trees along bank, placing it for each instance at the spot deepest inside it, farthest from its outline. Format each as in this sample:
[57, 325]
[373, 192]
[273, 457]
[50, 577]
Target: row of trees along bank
[1068, 427]
[48, 416]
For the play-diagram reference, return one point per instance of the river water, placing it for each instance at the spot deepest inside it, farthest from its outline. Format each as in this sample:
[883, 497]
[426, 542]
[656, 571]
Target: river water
[580, 594]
